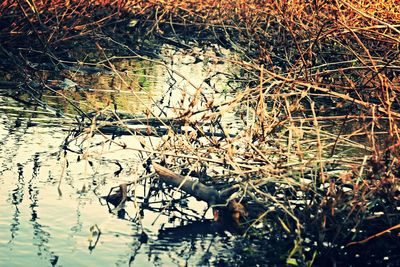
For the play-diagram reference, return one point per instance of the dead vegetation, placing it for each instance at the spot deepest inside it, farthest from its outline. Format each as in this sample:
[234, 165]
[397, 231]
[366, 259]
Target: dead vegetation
[315, 153]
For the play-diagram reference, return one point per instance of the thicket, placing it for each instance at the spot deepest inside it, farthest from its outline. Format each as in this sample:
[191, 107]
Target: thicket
[318, 147]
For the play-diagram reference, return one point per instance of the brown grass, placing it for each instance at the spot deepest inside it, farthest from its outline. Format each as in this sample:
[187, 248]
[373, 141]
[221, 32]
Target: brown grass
[320, 111]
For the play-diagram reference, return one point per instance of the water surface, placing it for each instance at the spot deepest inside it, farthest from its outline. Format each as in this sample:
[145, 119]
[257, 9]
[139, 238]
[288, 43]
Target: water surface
[50, 201]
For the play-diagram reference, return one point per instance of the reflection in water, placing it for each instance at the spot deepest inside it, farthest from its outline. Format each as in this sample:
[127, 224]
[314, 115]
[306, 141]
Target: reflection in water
[69, 226]
[131, 90]
[42, 227]
[194, 241]
[18, 193]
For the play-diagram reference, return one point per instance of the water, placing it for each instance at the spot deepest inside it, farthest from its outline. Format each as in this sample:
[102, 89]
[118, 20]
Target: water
[50, 201]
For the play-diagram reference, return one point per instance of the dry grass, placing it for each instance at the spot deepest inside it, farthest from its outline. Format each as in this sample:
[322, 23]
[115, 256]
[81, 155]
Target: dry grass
[319, 143]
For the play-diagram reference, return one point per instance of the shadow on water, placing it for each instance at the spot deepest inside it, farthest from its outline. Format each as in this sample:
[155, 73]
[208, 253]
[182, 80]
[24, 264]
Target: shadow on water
[50, 201]
[72, 226]
[28, 190]
[52, 212]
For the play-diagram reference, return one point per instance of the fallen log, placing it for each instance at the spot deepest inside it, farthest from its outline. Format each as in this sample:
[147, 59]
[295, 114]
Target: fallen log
[191, 186]
[230, 212]
[8, 85]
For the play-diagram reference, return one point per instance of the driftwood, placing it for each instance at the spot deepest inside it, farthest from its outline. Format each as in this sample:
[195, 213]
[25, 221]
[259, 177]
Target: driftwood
[145, 130]
[229, 212]
[190, 185]
[9, 85]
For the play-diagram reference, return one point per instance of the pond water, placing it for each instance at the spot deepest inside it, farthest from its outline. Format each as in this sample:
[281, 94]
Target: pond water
[51, 210]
